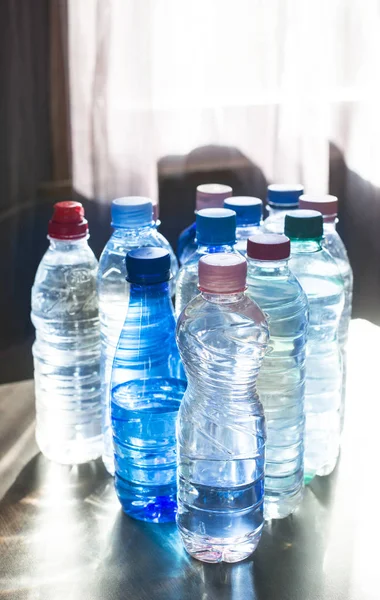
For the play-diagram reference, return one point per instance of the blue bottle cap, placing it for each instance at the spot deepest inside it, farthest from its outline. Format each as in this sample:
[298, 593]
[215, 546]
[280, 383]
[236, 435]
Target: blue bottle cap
[131, 211]
[284, 194]
[248, 209]
[147, 265]
[215, 226]
[304, 225]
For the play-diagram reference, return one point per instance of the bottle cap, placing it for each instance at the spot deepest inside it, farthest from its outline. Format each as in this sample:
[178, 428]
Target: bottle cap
[68, 222]
[148, 265]
[284, 194]
[215, 226]
[131, 211]
[212, 195]
[268, 246]
[304, 225]
[222, 273]
[327, 205]
[248, 209]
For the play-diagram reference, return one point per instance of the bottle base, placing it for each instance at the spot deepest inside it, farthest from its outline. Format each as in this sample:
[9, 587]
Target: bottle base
[76, 452]
[147, 503]
[280, 508]
[109, 464]
[211, 550]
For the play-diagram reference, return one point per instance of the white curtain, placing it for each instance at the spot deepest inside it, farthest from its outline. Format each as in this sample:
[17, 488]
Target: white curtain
[277, 79]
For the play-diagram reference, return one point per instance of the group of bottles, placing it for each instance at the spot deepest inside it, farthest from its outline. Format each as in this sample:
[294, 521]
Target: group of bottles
[197, 411]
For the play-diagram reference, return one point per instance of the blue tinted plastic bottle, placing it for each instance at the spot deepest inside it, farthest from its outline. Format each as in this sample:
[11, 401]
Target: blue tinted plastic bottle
[209, 195]
[281, 382]
[249, 213]
[281, 199]
[147, 388]
[320, 278]
[134, 226]
[216, 232]
[222, 337]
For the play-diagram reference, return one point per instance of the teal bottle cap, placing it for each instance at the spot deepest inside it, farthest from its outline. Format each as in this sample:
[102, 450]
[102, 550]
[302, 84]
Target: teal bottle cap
[304, 225]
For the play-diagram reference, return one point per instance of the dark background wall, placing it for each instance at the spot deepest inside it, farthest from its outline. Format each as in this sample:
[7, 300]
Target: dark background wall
[35, 172]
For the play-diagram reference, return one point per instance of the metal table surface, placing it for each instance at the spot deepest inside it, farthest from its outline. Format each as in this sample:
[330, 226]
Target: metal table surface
[64, 537]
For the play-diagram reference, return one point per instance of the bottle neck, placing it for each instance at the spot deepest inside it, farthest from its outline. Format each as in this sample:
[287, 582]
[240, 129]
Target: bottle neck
[275, 268]
[330, 225]
[66, 245]
[158, 290]
[245, 230]
[212, 248]
[136, 231]
[300, 246]
[223, 298]
[274, 209]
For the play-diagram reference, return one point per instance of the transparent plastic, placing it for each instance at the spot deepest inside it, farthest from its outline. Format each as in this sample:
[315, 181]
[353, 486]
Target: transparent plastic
[281, 382]
[220, 429]
[334, 244]
[187, 280]
[186, 245]
[243, 232]
[113, 290]
[67, 353]
[320, 278]
[275, 221]
[147, 386]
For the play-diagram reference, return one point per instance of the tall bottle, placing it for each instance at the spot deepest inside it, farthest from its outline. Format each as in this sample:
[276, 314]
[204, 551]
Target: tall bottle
[320, 278]
[147, 387]
[249, 213]
[281, 382]
[281, 199]
[209, 195]
[328, 206]
[216, 232]
[133, 224]
[67, 348]
[222, 338]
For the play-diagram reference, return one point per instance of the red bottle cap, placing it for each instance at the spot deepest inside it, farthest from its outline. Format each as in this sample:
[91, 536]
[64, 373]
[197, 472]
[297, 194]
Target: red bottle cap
[268, 246]
[68, 222]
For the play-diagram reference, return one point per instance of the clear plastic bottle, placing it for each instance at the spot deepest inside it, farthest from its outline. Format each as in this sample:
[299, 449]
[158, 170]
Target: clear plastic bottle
[134, 226]
[249, 213]
[281, 199]
[67, 348]
[216, 232]
[281, 382]
[147, 387]
[222, 337]
[209, 195]
[328, 206]
[320, 278]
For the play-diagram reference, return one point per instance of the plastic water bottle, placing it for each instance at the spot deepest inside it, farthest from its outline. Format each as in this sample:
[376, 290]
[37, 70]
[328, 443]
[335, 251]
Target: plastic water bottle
[281, 199]
[134, 226]
[216, 232]
[164, 243]
[281, 382]
[249, 212]
[328, 206]
[67, 348]
[320, 278]
[222, 337]
[209, 195]
[147, 388]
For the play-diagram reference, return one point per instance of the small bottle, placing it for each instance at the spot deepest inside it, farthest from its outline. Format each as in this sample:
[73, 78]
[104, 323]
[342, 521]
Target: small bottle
[320, 278]
[216, 232]
[328, 206]
[147, 387]
[281, 382]
[281, 199]
[222, 338]
[134, 226]
[67, 348]
[249, 213]
[209, 195]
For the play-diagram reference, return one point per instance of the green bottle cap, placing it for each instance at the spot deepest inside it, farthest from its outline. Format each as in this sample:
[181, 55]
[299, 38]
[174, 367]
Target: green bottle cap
[304, 225]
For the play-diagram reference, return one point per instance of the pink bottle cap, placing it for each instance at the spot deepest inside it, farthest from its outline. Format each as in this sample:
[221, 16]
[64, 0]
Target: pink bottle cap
[222, 273]
[325, 204]
[212, 195]
[268, 246]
